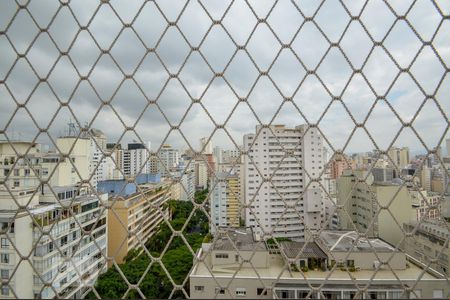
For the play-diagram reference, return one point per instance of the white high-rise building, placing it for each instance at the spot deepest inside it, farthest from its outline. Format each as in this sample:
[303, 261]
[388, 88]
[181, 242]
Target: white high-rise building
[201, 174]
[169, 158]
[135, 160]
[67, 260]
[186, 176]
[102, 166]
[287, 203]
[231, 156]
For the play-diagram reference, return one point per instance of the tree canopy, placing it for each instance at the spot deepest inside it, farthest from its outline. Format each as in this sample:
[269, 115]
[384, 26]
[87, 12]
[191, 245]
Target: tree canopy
[177, 258]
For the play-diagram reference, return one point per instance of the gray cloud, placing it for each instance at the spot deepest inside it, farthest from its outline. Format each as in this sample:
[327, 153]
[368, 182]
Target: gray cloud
[309, 45]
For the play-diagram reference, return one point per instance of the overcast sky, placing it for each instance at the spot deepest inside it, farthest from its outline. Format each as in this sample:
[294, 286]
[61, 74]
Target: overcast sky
[264, 95]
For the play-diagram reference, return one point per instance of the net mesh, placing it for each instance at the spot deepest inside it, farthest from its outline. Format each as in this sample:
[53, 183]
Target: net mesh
[362, 75]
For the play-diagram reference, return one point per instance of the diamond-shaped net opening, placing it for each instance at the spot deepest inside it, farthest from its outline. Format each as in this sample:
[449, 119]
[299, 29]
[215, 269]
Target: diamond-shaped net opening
[224, 149]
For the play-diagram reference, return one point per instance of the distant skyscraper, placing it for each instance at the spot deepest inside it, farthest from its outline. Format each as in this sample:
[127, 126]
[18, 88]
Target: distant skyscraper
[399, 156]
[169, 158]
[225, 201]
[339, 164]
[135, 160]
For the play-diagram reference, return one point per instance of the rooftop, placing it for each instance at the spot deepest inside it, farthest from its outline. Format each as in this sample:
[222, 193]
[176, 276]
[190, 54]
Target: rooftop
[335, 240]
[301, 250]
[278, 268]
[240, 238]
[433, 227]
[45, 207]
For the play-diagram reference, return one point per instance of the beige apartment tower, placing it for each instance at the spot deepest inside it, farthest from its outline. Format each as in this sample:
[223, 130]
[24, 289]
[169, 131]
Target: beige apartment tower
[136, 214]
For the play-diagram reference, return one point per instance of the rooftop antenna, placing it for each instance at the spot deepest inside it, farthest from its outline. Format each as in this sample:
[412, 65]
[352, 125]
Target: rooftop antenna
[73, 132]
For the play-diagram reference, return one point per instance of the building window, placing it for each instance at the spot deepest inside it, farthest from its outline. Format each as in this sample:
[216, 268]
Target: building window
[4, 258]
[438, 294]
[27, 172]
[4, 243]
[4, 274]
[64, 240]
[221, 255]
[261, 291]
[199, 288]
[241, 292]
[5, 291]
[220, 291]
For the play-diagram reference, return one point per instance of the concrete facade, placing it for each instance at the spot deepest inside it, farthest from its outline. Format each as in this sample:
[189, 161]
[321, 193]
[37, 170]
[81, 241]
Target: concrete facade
[136, 213]
[70, 260]
[234, 266]
[225, 203]
[399, 157]
[362, 201]
[297, 156]
[429, 244]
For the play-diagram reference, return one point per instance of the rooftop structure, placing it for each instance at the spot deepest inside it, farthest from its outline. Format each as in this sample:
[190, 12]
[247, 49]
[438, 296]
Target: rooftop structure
[335, 263]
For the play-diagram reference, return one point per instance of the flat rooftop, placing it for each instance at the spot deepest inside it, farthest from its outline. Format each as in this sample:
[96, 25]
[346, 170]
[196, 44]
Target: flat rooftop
[302, 250]
[278, 268]
[335, 240]
[240, 238]
[433, 227]
[45, 207]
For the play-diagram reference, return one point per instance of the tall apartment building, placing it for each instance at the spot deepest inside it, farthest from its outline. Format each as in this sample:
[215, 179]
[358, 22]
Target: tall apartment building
[425, 177]
[217, 153]
[21, 172]
[168, 159]
[102, 167]
[383, 174]
[429, 244]
[104, 164]
[71, 260]
[426, 204]
[399, 156]
[135, 218]
[363, 200]
[290, 201]
[236, 168]
[225, 204]
[201, 174]
[67, 167]
[134, 160]
[339, 163]
[186, 176]
[231, 156]
[237, 265]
